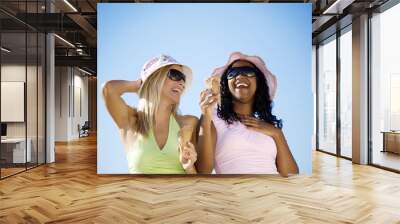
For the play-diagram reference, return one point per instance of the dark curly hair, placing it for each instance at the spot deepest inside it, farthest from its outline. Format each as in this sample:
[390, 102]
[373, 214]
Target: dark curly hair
[262, 105]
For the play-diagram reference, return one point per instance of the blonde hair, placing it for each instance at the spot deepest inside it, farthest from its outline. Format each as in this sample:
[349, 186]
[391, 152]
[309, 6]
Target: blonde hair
[149, 100]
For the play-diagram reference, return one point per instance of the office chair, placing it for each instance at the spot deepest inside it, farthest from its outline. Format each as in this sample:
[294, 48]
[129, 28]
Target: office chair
[84, 130]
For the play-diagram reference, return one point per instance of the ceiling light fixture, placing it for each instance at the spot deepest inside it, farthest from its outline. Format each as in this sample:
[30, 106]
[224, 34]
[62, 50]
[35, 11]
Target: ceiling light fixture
[79, 51]
[337, 7]
[65, 41]
[70, 5]
[84, 71]
[5, 50]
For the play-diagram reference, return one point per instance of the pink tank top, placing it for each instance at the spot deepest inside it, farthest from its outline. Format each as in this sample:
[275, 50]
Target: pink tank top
[240, 150]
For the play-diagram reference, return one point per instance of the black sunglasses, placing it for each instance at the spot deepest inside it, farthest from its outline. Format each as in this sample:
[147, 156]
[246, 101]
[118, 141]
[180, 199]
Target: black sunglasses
[245, 71]
[176, 75]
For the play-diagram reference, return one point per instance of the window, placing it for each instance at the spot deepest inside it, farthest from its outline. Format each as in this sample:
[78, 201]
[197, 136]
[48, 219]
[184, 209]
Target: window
[385, 89]
[22, 76]
[346, 93]
[327, 95]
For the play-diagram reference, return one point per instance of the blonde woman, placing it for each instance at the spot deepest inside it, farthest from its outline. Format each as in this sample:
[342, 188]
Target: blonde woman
[150, 133]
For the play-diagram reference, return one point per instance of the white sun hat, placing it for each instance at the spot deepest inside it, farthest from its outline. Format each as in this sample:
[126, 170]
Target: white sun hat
[163, 60]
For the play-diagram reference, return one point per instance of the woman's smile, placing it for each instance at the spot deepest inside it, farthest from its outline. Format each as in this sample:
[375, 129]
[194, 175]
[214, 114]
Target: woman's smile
[241, 84]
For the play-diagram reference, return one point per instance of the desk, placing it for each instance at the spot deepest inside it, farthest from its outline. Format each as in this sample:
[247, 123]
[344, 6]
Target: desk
[391, 141]
[16, 147]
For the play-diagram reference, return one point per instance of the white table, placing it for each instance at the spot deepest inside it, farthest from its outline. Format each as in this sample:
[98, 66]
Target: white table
[19, 155]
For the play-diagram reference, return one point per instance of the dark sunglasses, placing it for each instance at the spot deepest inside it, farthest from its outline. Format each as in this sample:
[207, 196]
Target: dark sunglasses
[176, 75]
[245, 71]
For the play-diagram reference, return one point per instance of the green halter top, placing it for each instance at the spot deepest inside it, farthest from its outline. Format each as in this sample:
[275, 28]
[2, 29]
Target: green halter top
[147, 158]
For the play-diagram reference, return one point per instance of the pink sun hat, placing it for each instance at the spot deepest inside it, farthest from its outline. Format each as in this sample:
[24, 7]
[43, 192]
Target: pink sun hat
[163, 60]
[258, 62]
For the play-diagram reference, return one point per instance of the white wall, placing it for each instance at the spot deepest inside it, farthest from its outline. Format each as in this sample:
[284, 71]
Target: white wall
[71, 93]
[61, 103]
[80, 89]
[16, 73]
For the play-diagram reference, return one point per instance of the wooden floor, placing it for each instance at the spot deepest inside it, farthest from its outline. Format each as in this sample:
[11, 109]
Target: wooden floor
[70, 191]
[5, 172]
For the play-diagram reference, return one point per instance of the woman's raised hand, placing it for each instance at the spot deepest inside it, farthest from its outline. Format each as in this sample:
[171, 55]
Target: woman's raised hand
[207, 102]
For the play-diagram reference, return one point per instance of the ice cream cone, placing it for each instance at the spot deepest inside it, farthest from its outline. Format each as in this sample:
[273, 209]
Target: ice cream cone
[186, 134]
[213, 83]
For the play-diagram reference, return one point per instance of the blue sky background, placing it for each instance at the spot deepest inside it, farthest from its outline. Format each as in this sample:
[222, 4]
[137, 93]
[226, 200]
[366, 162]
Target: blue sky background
[202, 37]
